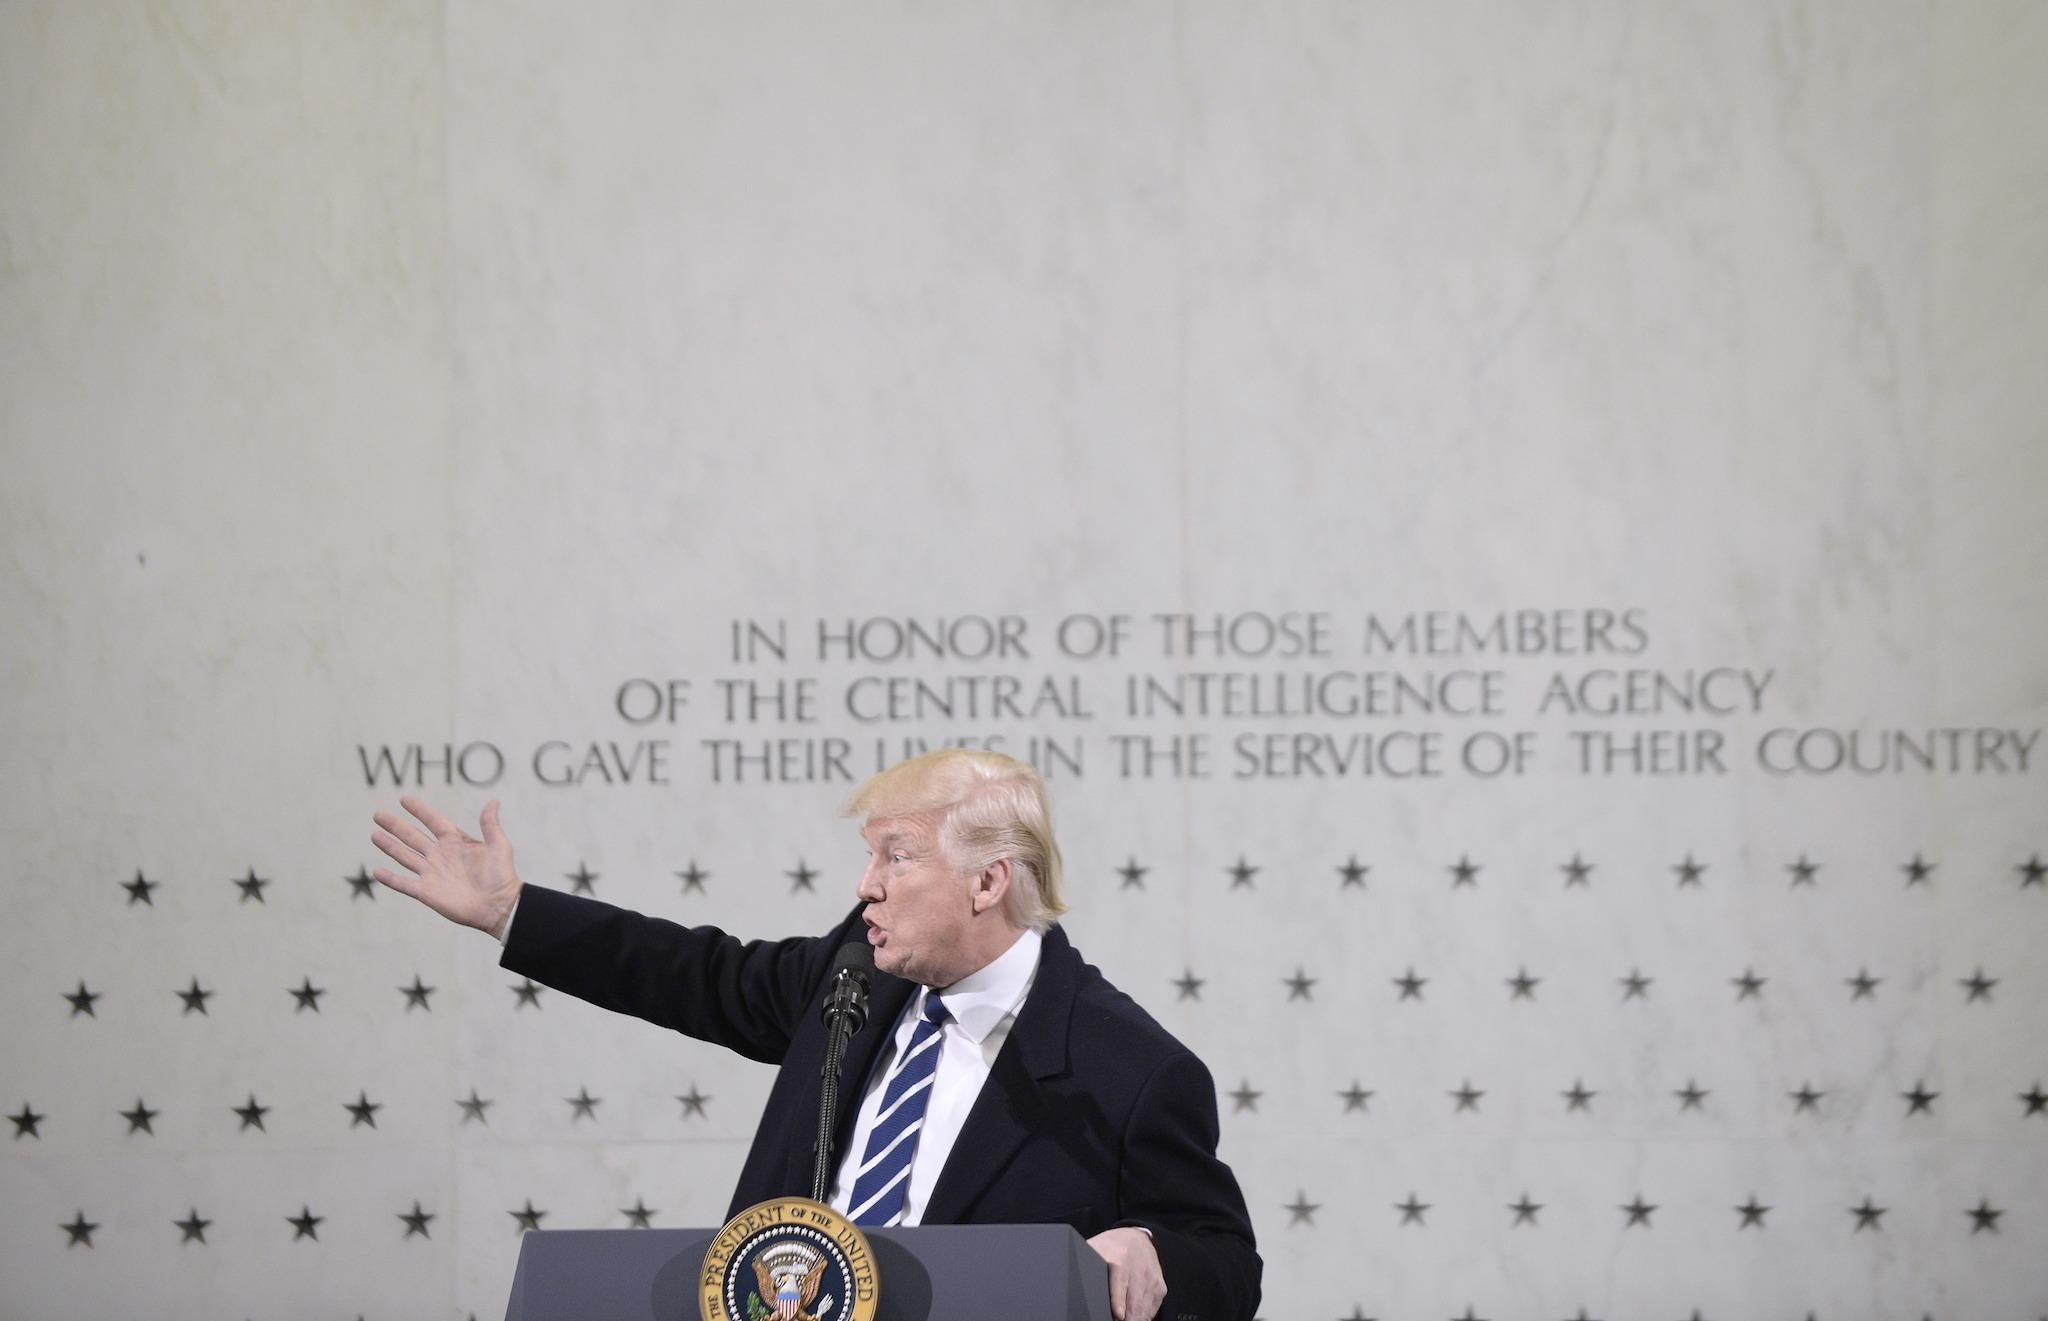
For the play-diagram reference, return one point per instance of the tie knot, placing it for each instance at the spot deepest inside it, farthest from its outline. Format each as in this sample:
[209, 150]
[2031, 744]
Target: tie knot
[934, 1009]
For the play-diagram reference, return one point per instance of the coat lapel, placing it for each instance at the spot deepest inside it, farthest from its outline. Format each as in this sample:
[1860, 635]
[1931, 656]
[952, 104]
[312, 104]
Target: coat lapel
[1012, 1102]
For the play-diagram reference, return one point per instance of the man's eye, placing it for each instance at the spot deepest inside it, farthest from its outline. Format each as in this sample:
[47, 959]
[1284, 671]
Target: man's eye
[899, 857]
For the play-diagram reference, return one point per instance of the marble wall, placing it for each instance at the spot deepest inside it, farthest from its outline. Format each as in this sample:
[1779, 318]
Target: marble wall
[1522, 523]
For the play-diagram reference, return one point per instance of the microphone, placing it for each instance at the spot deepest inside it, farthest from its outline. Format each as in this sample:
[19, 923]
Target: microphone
[844, 1011]
[853, 970]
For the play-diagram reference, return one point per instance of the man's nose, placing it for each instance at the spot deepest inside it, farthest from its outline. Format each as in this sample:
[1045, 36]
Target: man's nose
[870, 887]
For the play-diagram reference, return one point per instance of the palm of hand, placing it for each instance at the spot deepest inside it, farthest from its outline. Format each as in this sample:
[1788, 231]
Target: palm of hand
[461, 877]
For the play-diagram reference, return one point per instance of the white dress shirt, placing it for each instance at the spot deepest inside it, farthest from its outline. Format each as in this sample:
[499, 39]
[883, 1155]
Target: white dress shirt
[980, 1008]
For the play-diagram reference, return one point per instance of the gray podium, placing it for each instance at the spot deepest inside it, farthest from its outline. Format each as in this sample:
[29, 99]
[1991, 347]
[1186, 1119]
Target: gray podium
[988, 1272]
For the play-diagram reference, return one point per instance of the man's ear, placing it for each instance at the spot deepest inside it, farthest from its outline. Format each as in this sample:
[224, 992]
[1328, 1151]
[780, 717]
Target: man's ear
[992, 885]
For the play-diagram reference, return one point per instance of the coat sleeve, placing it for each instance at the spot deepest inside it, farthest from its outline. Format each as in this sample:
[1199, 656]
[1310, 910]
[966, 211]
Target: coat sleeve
[745, 995]
[1172, 1183]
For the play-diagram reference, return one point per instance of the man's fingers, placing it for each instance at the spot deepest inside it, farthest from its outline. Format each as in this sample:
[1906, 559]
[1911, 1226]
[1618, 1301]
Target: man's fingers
[419, 841]
[432, 820]
[1119, 1291]
[493, 835]
[398, 850]
[408, 886]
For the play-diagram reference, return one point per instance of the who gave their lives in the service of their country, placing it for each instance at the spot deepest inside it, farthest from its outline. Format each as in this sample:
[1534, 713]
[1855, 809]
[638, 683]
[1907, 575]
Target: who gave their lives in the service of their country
[1051, 1097]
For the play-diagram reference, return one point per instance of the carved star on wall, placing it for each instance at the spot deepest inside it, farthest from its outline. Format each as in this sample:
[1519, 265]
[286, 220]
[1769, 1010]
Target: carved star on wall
[1302, 1211]
[1241, 874]
[1868, 1215]
[1862, 986]
[1749, 986]
[416, 1220]
[1245, 1097]
[361, 885]
[1635, 986]
[1752, 1213]
[362, 1110]
[1412, 1211]
[307, 995]
[526, 993]
[251, 1115]
[1525, 1211]
[1803, 871]
[528, 1218]
[1919, 1100]
[584, 1105]
[1689, 872]
[1355, 1097]
[141, 1118]
[1411, 985]
[1690, 1095]
[251, 887]
[1578, 1098]
[1522, 986]
[1978, 985]
[1352, 873]
[693, 1102]
[582, 880]
[80, 1229]
[27, 1123]
[1806, 1098]
[82, 1000]
[1464, 872]
[1190, 986]
[1467, 1097]
[416, 995]
[1576, 871]
[1918, 870]
[1638, 1212]
[139, 890]
[305, 1224]
[1300, 986]
[192, 1228]
[1133, 875]
[2036, 1099]
[803, 878]
[473, 1108]
[693, 878]
[2032, 872]
[1983, 1216]
[638, 1215]
[195, 998]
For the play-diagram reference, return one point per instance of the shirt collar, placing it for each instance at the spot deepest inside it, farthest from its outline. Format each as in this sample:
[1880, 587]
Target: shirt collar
[981, 1000]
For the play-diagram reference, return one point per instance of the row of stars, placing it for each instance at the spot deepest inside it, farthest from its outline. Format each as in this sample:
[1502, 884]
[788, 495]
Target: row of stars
[1242, 874]
[417, 996]
[1983, 1217]
[1635, 985]
[1577, 871]
[1300, 986]
[1357, 1098]
[1358, 1313]
[362, 1111]
[306, 1225]
[1579, 1097]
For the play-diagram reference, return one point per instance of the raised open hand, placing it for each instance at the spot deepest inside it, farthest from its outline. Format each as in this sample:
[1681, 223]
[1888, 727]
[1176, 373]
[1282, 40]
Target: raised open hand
[462, 878]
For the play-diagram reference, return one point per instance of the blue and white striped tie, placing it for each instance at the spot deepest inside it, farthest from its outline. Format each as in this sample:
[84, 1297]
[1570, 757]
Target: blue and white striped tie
[884, 1177]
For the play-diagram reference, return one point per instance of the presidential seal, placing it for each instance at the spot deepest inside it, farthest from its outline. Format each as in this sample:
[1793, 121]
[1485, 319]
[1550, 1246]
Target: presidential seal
[790, 1259]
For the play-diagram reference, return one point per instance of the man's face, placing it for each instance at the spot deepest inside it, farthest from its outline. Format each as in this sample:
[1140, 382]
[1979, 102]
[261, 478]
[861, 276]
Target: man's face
[919, 908]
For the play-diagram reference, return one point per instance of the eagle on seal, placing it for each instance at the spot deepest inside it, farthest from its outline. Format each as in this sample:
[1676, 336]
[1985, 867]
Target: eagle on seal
[788, 1275]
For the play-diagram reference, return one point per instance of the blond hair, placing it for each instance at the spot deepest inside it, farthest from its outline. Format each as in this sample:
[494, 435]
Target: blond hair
[990, 807]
